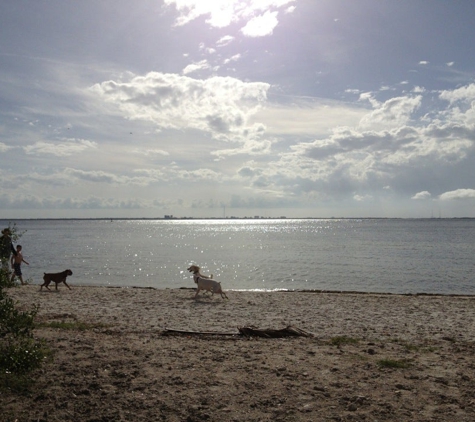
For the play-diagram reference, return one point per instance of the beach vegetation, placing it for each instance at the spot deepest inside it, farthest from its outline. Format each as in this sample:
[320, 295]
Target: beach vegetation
[342, 340]
[20, 352]
[72, 325]
[420, 348]
[5, 279]
[394, 363]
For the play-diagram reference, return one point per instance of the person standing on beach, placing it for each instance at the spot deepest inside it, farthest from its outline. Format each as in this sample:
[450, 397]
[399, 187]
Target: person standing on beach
[16, 264]
[6, 248]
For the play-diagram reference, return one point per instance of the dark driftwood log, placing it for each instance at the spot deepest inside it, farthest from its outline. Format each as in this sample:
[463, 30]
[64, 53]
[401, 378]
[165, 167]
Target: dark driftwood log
[247, 332]
[270, 333]
[171, 331]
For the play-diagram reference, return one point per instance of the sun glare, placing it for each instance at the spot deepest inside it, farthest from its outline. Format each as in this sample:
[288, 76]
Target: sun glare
[223, 12]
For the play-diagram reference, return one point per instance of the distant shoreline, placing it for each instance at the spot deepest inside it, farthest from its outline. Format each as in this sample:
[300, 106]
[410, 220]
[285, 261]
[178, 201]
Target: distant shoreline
[229, 218]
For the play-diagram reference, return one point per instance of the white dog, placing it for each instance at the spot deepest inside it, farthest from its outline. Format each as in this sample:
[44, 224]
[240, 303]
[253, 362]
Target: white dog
[206, 283]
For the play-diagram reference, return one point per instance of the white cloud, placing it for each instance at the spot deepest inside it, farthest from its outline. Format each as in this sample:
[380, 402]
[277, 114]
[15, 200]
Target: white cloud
[98, 176]
[199, 175]
[307, 118]
[234, 58]
[422, 195]
[65, 148]
[91, 202]
[223, 41]
[151, 152]
[203, 64]
[362, 198]
[393, 113]
[261, 26]
[459, 194]
[222, 13]
[4, 147]
[250, 147]
[355, 159]
[220, 106]
[464, 93]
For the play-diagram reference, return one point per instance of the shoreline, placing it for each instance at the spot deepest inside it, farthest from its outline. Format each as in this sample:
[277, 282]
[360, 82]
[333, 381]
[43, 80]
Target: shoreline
[327, 313]
[316, 291]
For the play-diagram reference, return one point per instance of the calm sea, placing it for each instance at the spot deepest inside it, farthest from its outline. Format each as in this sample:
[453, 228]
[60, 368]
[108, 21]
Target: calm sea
[393, 256]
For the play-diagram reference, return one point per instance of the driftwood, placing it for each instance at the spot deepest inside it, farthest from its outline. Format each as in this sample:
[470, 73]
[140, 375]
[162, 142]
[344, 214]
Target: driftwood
[249, 331]
[270, 333]
[171, 331]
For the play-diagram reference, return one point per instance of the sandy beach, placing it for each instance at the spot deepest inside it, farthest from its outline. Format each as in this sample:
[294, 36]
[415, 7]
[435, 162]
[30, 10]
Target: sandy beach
[372, 357]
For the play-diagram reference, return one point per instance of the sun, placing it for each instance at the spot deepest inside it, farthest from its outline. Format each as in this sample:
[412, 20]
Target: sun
[224, 12]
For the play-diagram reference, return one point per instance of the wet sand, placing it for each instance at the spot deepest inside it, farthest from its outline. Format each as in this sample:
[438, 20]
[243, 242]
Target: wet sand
[371, 357]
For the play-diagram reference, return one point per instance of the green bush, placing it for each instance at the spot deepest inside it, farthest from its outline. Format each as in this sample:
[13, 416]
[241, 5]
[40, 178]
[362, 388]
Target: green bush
[14, 323]
[5, 279]
[341, 340]
[20, 353]
[392, 363]
[21, 356]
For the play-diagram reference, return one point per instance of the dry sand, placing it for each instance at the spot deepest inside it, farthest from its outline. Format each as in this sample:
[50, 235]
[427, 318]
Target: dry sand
[123, 367]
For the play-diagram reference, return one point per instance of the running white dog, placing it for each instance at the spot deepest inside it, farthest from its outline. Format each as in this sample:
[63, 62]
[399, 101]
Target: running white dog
[206, 282]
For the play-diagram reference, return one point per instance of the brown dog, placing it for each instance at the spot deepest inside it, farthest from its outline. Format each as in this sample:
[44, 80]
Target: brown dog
[57, 278]
[206, 283]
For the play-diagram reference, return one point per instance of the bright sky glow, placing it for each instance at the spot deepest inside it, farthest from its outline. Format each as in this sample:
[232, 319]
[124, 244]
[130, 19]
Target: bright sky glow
[237, 107]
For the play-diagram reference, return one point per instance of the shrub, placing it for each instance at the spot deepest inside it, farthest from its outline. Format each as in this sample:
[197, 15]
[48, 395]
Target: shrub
[391, 363]
[20, 353]
[5, 280]
[341, 340]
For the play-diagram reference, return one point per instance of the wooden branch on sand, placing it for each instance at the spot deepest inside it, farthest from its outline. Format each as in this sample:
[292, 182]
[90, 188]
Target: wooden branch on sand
[270, 333]
[171, 331]
[249, 331]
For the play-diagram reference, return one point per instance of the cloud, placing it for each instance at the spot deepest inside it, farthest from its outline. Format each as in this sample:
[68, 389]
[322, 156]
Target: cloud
[223, 41]
[199, 175]
[63, 149]
[261, 26]
[259, 15]
[98, 176]
[393, 113]
[422, 195]
[234, 58]
[459, 194]
[248, 171]
[464, 93]
[151, 152]
[221, 106]
[307, 118]
[250, 147]
[392, 148]
[362, 198]
[91, 202]
[203, 64]
[4, 147]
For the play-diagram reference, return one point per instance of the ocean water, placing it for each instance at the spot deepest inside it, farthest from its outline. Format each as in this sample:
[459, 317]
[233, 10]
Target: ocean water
[367, 255]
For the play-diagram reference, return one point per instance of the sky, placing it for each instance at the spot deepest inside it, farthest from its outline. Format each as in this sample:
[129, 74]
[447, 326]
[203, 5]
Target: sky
[237, 108]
